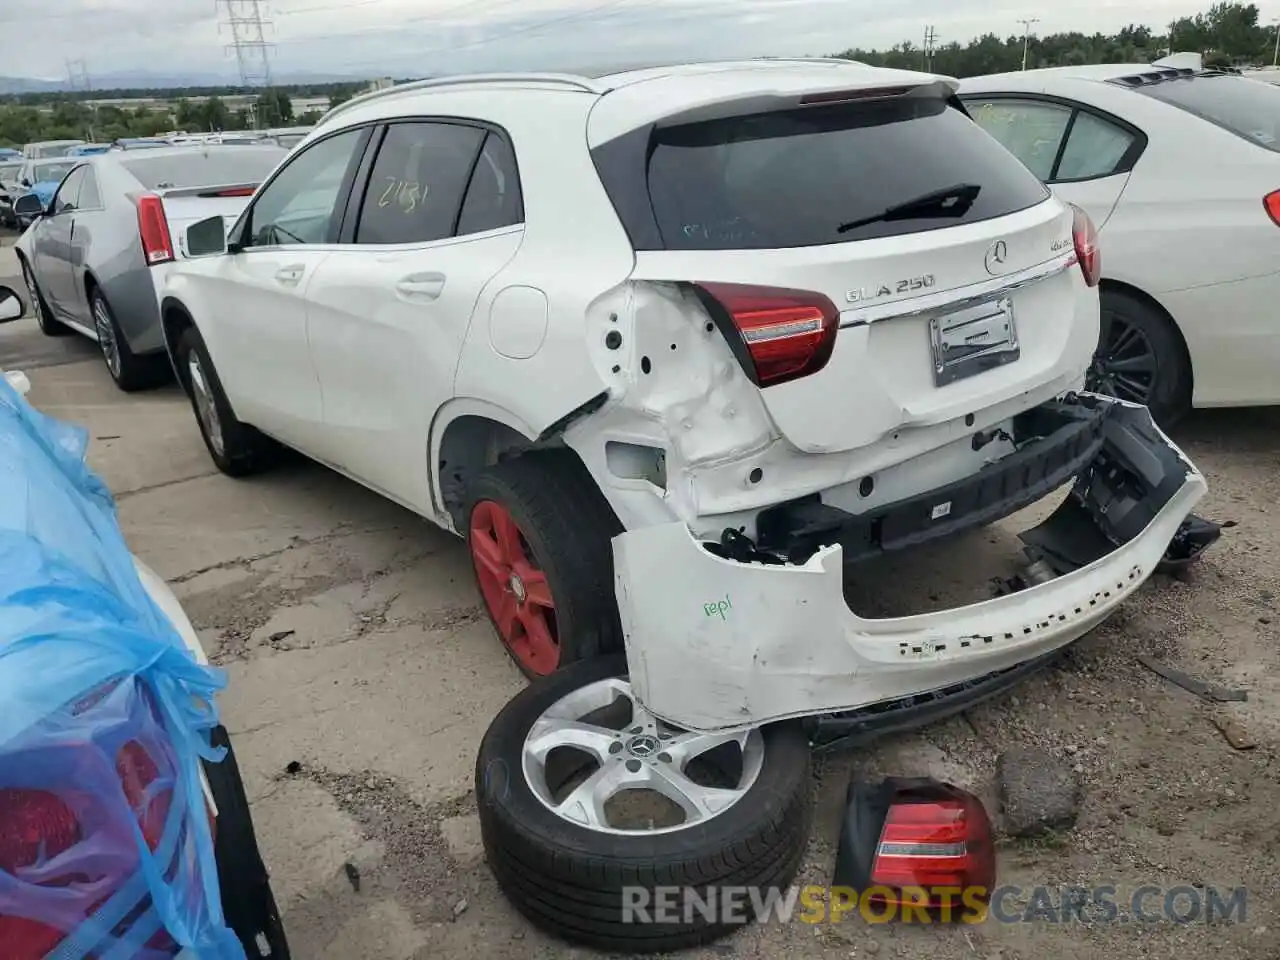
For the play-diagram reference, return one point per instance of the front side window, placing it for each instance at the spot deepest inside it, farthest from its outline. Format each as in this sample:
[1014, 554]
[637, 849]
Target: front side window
[416, 188]
[298, 205]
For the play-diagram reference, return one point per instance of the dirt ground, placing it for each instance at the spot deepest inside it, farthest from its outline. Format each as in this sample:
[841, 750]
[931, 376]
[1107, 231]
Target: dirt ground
[355, 647]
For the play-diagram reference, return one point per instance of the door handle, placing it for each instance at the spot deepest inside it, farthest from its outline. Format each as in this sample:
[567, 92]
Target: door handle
[290, 274]
[421, 286]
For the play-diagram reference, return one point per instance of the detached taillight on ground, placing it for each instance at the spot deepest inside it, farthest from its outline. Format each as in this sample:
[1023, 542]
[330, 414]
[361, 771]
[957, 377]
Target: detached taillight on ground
[779, 334]
[153, 230]
[1085, 238]
[918, 843]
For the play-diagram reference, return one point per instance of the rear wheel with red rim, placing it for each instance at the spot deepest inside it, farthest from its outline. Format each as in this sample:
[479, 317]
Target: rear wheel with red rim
[540, 534]
[514, 588]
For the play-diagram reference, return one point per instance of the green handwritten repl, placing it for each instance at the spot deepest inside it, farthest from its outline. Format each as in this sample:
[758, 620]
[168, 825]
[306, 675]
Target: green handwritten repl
[718, 608]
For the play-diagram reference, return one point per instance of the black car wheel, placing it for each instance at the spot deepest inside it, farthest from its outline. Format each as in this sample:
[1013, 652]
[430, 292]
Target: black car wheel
[1140, 358]
[48, 326]
[594, 814]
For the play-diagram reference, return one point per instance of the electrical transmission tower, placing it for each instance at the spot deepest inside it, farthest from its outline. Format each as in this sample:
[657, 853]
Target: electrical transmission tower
[244, 17]
[78, 75]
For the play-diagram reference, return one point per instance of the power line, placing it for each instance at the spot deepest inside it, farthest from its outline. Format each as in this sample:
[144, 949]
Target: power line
[244, 17]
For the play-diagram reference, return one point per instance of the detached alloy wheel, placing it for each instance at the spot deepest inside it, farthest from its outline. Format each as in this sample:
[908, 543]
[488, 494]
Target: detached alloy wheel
[1140, 358]
[595, 815]
[540, 535]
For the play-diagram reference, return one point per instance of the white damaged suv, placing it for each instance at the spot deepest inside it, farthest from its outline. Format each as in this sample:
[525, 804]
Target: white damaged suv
[672, 349]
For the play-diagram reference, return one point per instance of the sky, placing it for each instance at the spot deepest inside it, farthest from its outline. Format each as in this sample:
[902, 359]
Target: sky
[420, 37]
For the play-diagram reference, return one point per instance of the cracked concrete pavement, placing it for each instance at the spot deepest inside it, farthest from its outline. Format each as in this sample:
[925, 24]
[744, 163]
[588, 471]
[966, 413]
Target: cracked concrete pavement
[363, 674]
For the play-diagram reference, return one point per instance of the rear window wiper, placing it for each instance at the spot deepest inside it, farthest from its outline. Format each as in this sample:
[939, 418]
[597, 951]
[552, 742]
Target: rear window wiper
[952, 201]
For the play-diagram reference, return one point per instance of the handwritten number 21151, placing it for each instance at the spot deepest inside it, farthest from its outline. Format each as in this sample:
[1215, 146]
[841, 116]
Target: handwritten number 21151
[408, 194]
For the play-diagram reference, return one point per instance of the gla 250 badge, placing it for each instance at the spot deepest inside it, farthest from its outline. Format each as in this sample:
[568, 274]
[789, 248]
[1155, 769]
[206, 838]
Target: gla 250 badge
[910, 285]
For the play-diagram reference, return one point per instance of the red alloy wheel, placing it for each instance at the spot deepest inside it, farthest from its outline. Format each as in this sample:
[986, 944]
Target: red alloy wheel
[514, 588]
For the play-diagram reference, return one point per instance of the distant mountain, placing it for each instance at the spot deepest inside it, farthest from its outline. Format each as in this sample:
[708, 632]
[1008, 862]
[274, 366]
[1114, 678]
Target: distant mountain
[145, 80]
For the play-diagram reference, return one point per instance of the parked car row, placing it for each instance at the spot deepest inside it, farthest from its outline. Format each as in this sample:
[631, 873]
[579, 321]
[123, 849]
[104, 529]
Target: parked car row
[104, 236]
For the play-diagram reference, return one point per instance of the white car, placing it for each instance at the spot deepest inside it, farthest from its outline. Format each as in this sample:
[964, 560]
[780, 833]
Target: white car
[670, 348]
[1179, 169]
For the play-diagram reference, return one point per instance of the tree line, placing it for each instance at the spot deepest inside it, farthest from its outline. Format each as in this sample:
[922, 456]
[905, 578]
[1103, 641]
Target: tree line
[1227, 34]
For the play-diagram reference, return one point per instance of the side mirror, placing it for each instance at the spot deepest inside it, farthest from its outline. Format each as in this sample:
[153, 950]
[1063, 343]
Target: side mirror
[28, 205]
[207, 238]
[26, 181]
[11, 305]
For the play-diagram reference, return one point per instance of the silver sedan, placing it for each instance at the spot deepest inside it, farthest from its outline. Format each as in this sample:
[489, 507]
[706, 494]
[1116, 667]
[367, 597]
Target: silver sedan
[91, 258]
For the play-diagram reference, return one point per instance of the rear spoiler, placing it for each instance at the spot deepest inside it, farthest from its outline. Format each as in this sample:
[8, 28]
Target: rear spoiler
[210, 191]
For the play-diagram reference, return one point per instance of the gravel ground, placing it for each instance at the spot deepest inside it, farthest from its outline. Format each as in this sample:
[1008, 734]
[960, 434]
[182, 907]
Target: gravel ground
[362, 677]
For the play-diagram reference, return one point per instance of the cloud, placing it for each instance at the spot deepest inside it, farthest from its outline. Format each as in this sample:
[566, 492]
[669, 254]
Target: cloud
[400, 37]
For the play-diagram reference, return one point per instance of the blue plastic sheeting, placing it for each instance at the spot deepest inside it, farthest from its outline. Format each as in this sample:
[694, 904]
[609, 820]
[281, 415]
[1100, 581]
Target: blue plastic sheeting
[104, 718]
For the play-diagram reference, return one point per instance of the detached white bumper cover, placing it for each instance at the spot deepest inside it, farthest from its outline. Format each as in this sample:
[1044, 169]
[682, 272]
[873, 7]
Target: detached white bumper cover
[714, 643]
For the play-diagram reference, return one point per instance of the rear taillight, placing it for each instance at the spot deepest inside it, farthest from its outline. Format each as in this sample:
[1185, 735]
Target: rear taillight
[781, 334]
[35, 827]
[1085, 238]
[1271, 203]
[935, 843]
[153, 230]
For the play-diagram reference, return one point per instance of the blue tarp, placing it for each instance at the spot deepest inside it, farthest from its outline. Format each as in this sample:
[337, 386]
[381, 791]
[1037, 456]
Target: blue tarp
[104, 717]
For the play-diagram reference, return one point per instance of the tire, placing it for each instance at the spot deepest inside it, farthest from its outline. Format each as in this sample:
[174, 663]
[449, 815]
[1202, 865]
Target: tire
[48, 326]
[237, 449]
[562, 542]
[1141, 358]
[569, 879]
[130, 371]
[248, 904]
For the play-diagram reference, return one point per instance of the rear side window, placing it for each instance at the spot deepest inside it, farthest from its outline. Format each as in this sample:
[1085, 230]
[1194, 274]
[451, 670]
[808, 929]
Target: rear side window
[1248, 108]
[415, 191]
[204, 168]
[829, 175]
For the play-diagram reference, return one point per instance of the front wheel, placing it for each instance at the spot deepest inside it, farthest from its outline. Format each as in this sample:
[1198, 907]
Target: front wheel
[1140, 358]
[236, 448]
[597, 818]
[540, 535]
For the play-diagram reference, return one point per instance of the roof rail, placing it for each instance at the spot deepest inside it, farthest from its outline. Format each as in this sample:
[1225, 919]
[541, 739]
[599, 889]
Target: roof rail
[569, 81]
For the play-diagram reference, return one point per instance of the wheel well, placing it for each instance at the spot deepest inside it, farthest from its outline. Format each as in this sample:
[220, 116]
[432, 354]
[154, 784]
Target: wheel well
[1116, 286]
[89, 284]
[175, 320]
[471, 443]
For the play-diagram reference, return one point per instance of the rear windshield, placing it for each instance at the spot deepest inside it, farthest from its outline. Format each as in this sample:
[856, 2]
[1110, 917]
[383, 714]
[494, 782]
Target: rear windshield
[203, 168]
[824, 174]
[1247, 108]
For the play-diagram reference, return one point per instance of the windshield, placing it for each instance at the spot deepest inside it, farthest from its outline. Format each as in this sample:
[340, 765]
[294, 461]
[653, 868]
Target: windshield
[1248, 108]
[204, 168]
[45, 172]
[830, 174]
[56, 148]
